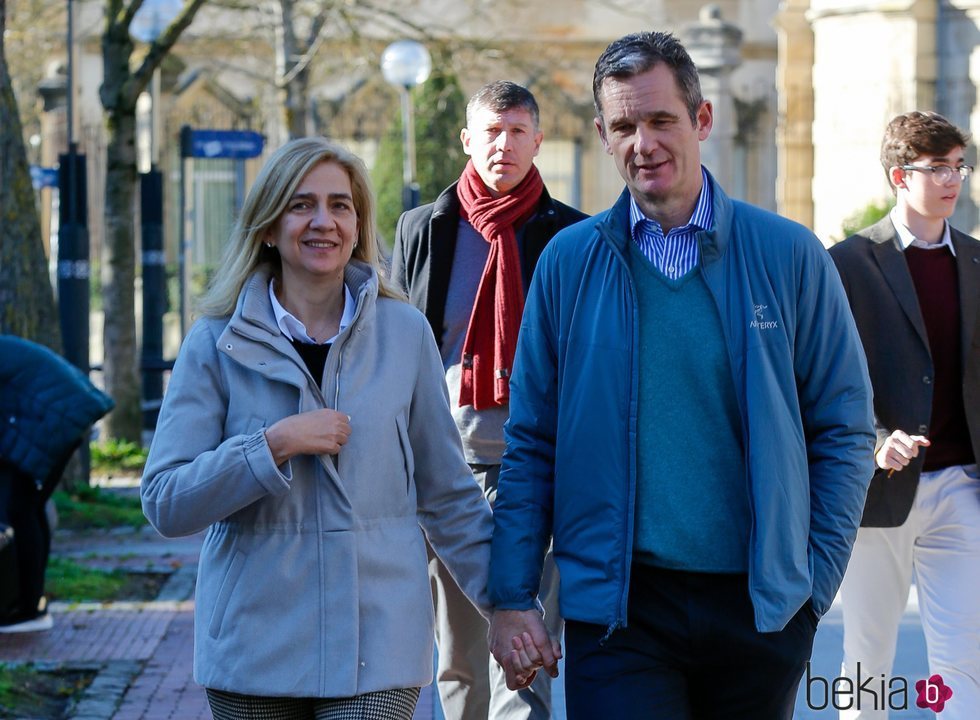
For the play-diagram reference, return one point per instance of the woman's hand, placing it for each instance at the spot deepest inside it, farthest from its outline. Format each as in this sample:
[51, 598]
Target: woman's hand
[318, 432]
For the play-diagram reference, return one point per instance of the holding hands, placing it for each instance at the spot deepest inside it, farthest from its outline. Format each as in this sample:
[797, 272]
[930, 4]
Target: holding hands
[318, 432]
[521, 645]
[898, 450]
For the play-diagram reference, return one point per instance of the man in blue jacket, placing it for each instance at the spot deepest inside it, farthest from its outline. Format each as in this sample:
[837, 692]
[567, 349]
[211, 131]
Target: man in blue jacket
[690, 420]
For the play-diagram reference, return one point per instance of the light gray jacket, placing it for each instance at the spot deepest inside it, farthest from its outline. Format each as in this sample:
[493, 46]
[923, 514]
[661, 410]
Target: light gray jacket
[313, 575]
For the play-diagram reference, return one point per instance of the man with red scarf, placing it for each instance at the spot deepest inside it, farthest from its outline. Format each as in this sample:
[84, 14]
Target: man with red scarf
[466, 261]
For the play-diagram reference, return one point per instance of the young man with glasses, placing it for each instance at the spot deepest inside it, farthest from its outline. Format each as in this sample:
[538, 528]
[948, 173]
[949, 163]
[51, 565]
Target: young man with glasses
[914, 287]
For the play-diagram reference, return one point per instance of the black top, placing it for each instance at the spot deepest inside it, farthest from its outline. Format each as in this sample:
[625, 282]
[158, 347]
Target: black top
[315, 357]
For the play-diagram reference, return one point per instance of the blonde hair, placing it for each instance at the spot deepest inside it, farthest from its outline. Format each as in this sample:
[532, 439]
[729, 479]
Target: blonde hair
[266, 201]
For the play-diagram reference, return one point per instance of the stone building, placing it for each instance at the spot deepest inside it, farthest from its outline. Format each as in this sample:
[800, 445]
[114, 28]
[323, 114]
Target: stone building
[846, 68]
[802, 88]
[220, 73]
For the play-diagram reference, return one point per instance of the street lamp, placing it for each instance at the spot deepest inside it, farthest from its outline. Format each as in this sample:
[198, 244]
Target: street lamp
[148, 23]
[405, 64]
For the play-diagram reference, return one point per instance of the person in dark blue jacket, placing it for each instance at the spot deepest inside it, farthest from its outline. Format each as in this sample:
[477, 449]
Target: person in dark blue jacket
[47, 407]
[691, 421]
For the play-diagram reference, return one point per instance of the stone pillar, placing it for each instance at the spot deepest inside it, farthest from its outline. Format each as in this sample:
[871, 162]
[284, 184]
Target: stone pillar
[715, 47]
[958, 91]
[889, 69]
[794, 130]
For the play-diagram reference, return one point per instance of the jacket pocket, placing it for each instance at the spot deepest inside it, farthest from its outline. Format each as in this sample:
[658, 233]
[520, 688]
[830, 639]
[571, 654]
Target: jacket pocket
[228, 586]
[401, 428]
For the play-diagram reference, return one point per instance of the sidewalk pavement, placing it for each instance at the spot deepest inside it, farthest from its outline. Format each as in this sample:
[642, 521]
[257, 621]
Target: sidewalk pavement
[142, 651]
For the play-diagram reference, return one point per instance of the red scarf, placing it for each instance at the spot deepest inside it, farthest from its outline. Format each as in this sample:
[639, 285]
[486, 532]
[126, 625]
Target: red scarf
[491, 337]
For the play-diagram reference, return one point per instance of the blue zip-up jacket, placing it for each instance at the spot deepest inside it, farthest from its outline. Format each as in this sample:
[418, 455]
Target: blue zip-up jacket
[800, 375]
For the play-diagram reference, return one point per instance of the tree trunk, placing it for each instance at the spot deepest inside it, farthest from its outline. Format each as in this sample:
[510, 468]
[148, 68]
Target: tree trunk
[119, 245]
[296, 105]
[27, 307]
[119, 277]
[293, 78]
[121, 86]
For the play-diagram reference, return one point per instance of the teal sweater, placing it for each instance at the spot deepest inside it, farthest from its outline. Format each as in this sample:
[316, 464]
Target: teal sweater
[692, 505]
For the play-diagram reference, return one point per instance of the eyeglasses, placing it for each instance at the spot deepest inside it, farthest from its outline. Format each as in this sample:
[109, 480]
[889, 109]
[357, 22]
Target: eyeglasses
[942, 173]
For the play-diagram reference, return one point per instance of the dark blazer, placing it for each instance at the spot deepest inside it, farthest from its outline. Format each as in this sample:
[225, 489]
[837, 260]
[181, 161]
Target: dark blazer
[425, 242]
[879, 287]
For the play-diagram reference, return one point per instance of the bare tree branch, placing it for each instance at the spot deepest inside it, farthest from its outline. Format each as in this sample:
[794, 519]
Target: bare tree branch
[160, 47]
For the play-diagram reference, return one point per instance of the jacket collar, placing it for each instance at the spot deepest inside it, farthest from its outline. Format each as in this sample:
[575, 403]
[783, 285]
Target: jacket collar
[968, 267]
[887, 251]
[712, 242]
[447, 204]
[443, 230]
[255, 319]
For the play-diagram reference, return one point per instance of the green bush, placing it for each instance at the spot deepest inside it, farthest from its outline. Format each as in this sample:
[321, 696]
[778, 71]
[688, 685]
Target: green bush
[866, 216]
[29, 690]
[69, 581]
[92, 507]
[440, 112]
[116, 455]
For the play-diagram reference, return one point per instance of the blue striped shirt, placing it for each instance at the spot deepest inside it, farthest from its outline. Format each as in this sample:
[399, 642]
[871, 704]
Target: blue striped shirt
[676, 253]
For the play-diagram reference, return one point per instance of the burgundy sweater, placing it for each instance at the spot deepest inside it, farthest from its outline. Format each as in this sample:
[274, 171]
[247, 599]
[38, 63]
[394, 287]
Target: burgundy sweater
[937, 286]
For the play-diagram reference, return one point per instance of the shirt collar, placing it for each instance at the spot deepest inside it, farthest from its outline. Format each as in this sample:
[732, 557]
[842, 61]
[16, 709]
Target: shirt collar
[294, 329]
[906, 238]
[700, 219]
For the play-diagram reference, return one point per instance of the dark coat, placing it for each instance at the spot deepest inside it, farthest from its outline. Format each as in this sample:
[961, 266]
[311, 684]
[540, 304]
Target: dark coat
[425, 242]
[886, 308]
[47, 406]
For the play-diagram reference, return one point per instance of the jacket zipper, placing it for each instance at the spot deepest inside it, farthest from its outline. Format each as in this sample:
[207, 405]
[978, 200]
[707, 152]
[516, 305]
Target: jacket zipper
[340, 365]
[743, 400]
[621, 621]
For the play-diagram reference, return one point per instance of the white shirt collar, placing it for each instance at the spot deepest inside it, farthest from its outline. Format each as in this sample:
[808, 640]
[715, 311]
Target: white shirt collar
[294, 329]
[906, 238]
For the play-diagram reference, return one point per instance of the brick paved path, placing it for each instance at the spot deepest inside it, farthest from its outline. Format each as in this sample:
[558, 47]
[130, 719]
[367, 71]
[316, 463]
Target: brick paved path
[142, 651]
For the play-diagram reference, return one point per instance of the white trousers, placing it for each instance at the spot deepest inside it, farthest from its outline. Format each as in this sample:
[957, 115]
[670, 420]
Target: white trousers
[939, 545]
[471, 684]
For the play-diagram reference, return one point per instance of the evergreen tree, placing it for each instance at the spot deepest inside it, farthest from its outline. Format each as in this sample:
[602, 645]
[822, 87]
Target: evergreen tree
[440, 113]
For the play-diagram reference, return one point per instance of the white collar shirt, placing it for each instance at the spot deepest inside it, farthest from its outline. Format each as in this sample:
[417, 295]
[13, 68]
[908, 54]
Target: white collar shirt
[906, 239]
[294, 329]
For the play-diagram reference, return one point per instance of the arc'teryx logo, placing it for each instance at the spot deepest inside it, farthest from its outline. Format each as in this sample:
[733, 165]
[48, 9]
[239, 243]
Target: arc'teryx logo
[760, 322]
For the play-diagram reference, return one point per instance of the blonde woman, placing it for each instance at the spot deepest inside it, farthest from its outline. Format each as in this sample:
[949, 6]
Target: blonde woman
[307, 427]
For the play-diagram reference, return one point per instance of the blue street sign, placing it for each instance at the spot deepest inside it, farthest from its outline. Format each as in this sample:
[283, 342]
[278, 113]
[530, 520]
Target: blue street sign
[238, 144]
[42, 177]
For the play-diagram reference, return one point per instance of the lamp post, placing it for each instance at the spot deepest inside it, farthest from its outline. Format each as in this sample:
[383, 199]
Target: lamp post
[73, 240]
[150, 21]
[405, 64]
[73, 246]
